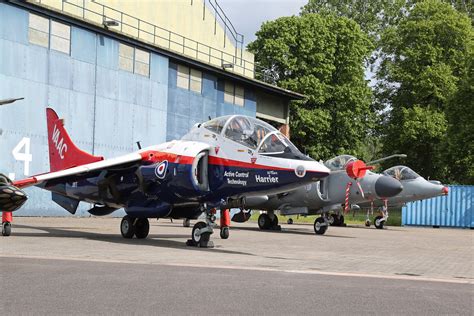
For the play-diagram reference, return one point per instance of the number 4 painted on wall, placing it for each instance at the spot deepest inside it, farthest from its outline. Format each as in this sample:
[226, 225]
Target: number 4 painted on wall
[24, 156]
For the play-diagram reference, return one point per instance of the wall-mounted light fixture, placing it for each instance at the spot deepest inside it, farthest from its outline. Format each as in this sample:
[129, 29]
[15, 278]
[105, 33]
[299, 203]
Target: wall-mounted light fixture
[109, 23]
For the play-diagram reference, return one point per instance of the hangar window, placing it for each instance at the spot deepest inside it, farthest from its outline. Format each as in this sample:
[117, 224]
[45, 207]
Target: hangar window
[189, 79]
[233, 94]
[38, 31]
[60, 37]
[49, 34]
[134, 60]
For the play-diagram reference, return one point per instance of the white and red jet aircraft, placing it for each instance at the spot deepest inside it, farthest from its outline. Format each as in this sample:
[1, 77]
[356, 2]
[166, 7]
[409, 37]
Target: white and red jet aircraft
[217, 164]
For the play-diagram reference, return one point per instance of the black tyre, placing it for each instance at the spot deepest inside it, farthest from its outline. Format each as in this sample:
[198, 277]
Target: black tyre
[320, 226]
[341, 220]
[202, 238]
[274, 220]
[126, 227]
[225, 232]
[264, 221]
[335, 220]
[289, 221]
[6, 229]
[367, 223]
[378, 223]
[142, 228]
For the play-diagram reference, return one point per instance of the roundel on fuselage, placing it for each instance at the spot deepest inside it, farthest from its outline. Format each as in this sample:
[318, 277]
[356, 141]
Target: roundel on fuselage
[161, 168]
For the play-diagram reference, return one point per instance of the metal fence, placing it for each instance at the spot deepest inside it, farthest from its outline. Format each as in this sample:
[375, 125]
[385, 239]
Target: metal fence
[146, 31]
[454, 210]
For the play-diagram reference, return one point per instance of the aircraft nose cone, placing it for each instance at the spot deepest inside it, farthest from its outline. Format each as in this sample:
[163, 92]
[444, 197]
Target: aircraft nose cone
[11, 198]
[445, 190]
[387, 187]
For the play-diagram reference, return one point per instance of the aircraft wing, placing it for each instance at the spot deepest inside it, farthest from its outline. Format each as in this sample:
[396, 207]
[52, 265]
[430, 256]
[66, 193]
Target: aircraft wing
[82, 170]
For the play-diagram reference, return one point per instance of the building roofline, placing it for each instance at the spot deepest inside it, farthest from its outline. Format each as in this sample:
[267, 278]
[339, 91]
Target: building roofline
[99, 29]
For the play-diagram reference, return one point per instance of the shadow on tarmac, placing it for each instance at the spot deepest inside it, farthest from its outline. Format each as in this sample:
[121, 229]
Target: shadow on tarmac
[153, 240]
[293, 231]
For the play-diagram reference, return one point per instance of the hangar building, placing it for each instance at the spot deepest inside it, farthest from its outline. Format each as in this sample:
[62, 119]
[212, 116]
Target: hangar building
[119, 72]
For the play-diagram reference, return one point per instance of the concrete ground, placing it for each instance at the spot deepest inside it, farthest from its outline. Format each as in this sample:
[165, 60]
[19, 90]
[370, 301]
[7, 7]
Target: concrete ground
[84, 266]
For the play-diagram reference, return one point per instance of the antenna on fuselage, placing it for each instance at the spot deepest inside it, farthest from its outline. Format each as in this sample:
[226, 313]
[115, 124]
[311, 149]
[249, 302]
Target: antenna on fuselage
[139, 145]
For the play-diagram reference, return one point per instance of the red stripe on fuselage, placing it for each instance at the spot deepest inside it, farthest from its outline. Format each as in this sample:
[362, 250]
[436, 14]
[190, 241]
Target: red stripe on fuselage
[157, 156]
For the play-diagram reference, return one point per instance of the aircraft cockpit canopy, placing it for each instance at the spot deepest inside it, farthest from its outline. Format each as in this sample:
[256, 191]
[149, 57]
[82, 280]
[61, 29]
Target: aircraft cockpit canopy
[255, 134]
[401, 173]
[339, 162]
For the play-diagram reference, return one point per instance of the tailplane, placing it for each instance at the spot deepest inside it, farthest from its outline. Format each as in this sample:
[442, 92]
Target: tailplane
[63, 153]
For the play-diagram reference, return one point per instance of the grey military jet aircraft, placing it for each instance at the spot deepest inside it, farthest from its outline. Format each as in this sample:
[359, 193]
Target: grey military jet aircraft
[415, 188]
[337, 191]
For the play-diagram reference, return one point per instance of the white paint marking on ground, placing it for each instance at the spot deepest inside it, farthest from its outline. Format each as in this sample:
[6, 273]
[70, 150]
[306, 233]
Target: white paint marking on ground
[190, 265]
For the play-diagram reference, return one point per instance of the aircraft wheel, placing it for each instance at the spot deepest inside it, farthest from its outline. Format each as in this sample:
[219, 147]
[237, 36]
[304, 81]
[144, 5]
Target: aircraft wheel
[274, 220]
[142, 228]
[289, 221]
[225, 232]
[126, 227]
[341, 220]
[200, 238]
[334, 220]
[264, 221]
[367, 223]
[320, 226]
[378, 223]
[6, 229]
[186, 222]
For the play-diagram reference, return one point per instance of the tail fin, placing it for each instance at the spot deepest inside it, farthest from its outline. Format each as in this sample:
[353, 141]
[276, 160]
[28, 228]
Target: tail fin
[63, 153]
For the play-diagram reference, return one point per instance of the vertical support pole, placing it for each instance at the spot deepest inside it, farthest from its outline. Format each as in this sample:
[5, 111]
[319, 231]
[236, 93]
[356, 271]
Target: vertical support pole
[7, 217]
[348, 190]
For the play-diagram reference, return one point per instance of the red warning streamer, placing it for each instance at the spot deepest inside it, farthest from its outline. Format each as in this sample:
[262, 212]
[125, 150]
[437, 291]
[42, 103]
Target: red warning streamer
[348, 190]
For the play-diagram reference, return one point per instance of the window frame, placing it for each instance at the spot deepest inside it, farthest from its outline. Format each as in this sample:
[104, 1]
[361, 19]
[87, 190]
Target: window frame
[133, 60]
[49, 33]
[188, 77]
[233, 94]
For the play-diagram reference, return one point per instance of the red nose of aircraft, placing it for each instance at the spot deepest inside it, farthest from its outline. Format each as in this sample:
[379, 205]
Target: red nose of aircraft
[445, 190]
[386, 187]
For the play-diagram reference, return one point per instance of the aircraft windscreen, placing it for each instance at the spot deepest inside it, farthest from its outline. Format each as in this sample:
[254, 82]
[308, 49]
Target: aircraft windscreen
[401, 173]
[216, 125]
[247, 131]
[339, 162]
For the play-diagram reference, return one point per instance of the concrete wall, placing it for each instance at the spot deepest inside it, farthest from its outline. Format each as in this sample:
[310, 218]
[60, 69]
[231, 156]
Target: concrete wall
[200, 26]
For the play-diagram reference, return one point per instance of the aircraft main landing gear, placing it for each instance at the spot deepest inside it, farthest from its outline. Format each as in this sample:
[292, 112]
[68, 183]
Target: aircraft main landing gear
[131, 226]
[379, 222]
[321, 225]
[336, 220]
[202, 232]
[268, 221]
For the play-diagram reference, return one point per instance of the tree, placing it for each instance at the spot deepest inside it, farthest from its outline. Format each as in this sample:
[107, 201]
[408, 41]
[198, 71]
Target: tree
[321, 57]
[373, 16]
[425, 56]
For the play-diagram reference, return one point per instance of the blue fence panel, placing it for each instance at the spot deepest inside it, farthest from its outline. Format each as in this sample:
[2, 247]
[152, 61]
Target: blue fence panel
[454, 210]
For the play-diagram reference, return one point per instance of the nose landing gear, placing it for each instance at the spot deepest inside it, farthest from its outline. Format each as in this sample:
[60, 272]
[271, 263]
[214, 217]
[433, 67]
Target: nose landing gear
[202, 231]
[321, 224]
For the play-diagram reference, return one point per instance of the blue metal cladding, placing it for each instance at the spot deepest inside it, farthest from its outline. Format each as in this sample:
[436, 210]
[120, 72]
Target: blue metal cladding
[454, 210]
[106, 109]
[186, 108]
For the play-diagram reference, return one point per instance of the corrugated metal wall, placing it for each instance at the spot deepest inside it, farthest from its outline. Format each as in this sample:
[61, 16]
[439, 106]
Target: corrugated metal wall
[106, 109]
[454, 210]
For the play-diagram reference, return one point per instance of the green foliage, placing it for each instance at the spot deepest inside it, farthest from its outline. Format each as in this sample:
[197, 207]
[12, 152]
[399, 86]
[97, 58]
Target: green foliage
[425, 58]
[321, 57]
[372, 16]
[459, 151]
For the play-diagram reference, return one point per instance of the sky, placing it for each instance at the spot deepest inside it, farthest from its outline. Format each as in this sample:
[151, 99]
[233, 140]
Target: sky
[248, 15]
